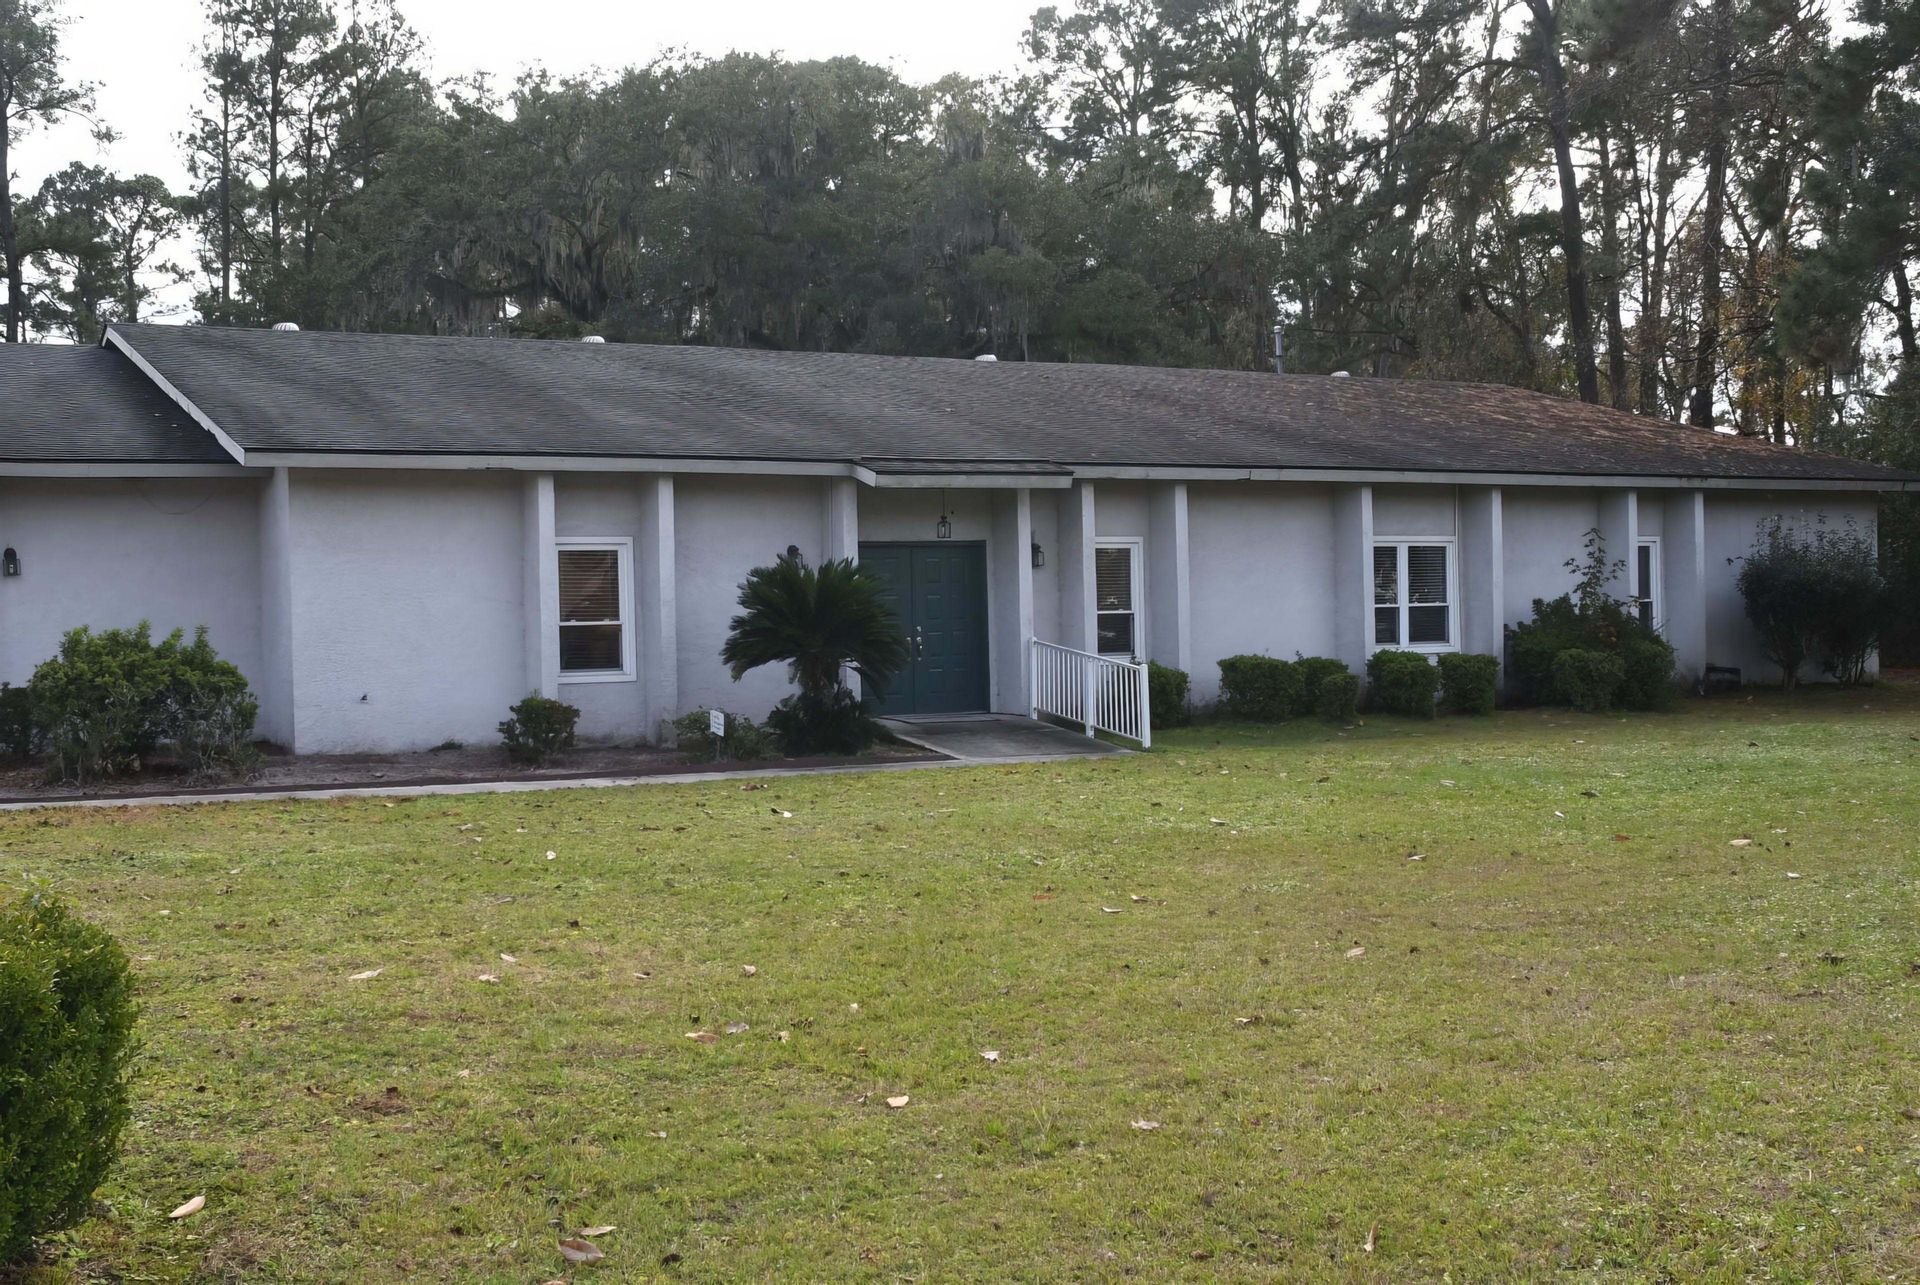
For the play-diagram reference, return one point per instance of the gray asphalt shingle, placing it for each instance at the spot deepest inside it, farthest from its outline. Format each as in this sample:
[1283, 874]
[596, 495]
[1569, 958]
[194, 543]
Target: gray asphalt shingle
[407, 394]
[90, 405]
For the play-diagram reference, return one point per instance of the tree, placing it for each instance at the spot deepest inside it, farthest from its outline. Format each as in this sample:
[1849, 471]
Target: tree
[820, 624]
[33, 91]
[100, 239]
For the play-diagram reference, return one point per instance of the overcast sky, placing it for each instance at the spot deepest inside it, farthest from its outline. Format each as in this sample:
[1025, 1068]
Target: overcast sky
[141, 52]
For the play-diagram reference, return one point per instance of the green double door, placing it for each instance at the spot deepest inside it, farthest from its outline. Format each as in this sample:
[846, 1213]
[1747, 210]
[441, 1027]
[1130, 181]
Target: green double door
[939, 593]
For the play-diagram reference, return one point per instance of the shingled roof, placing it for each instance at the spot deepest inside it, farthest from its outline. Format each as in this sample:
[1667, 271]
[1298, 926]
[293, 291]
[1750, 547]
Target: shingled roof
[291, 393]
[88, 405]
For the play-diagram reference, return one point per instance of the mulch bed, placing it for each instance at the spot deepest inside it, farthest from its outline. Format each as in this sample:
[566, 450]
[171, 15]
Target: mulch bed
[289, 773]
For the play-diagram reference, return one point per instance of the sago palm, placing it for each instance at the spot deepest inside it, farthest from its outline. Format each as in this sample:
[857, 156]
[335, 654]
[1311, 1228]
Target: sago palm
[818, 621]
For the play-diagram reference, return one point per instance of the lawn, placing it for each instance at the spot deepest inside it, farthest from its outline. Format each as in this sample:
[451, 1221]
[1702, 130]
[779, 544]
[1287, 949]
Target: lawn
[1498, 998]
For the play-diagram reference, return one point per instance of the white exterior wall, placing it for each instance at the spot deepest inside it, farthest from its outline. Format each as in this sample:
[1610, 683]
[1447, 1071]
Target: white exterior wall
[725, 527]
[1544, 527]
[1262, 574]
[108, 553]
[407, 608]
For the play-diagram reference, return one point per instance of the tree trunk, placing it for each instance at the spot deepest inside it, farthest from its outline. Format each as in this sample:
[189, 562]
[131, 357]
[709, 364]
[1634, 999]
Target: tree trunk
[1553, 83]
[10, 239]
[1610, 247]
[1706, 351]
[1903, 313]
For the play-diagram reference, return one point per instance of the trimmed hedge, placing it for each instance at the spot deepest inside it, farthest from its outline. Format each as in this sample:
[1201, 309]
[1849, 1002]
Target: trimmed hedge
[1314, 671]
[1401, 682]
[1592, 681]
[67, 1015]
[1649, 682]
[1468, 682]
[20, 738]
[1259, 689]
[538, 728]
[1338, 700]
[1167, 690]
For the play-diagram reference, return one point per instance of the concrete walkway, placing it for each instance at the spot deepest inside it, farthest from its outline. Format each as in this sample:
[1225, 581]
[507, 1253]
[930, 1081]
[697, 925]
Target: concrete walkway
[996, 738]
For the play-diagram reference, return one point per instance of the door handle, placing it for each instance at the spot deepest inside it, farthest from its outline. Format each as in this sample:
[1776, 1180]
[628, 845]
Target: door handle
[919, 643]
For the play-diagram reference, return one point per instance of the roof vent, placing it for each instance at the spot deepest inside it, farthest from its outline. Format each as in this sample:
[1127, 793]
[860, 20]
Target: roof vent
[986, 356]
[592, 339]
[286, 325]
[1342, 374]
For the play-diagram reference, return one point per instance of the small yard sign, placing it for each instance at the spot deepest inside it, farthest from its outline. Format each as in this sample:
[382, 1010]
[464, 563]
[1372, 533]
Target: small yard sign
[716, 722]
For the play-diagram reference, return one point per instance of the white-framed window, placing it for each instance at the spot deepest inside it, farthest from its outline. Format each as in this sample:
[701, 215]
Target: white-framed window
[1415, 602]
[596, 609]
[1117, 598]
[1647, 603]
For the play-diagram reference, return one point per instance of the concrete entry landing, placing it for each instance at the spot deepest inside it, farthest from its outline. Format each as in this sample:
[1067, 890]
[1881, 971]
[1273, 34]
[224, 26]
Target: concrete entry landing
[990, 738]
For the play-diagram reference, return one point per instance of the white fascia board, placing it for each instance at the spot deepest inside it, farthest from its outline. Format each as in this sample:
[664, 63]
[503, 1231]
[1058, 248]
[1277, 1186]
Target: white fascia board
[1433, 477]
[971, 481]
[161, 382]
[551, 463]
[27, 468]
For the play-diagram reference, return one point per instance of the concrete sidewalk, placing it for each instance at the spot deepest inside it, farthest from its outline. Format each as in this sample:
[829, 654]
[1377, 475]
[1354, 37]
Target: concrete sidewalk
[997, 738]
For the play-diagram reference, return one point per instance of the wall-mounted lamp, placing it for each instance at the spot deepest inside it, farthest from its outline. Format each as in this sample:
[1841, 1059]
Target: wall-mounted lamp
[9, 563]
[943, 529]
[1039, 556]
[793, 552]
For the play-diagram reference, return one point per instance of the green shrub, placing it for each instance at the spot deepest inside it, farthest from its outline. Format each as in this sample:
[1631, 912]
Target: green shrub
[1167, 694]
[1591, 681]
[206, 709]
[834, 723]
[1259, 689]
[1468, 682]
[538, 728]
[1812, 593]
[1647, 669]
[66, 1045]
[1401, 682]
[1338, 700]
[109, 699]
[1606, 626]
[744, 740]
[1314, 670]
[20, 738]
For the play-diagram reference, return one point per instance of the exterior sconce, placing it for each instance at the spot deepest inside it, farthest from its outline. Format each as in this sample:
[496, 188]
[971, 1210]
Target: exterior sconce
[1039, 556]
[9, 563]
[793, 550]
[943, 529]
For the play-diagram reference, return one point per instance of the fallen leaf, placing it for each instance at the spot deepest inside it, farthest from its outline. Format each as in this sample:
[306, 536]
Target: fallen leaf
[464, 1074]
[1416, 856]
[1356, 952]
[1135, 897]
[1215, 821]
[1146, 1126]
[1373, 1233]
[780, 812]
[748, 969]
[551, 855]
[1108, 910]
[580, 1251]
[1793, 874]
[1589, 794]
[641, 977]
[367, 976]
[505, 958]
[991, 1055]
[1622, 838]
[597, 1231]
[736, 1028]
[894, 1104]
[703, 1037]
[1739, 843]
[783, 1036]
[486, 977]
[192, 1207]
[1561, 815]
[656, 1133]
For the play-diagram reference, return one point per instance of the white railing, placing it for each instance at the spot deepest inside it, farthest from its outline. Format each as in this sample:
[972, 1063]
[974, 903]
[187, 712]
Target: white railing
[1098, 692]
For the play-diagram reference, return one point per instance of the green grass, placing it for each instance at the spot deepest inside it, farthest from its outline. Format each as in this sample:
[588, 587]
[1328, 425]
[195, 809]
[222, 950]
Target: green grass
[1587, 1033]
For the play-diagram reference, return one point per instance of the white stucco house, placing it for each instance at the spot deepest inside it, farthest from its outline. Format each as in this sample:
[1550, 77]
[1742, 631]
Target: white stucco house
[396, 537]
